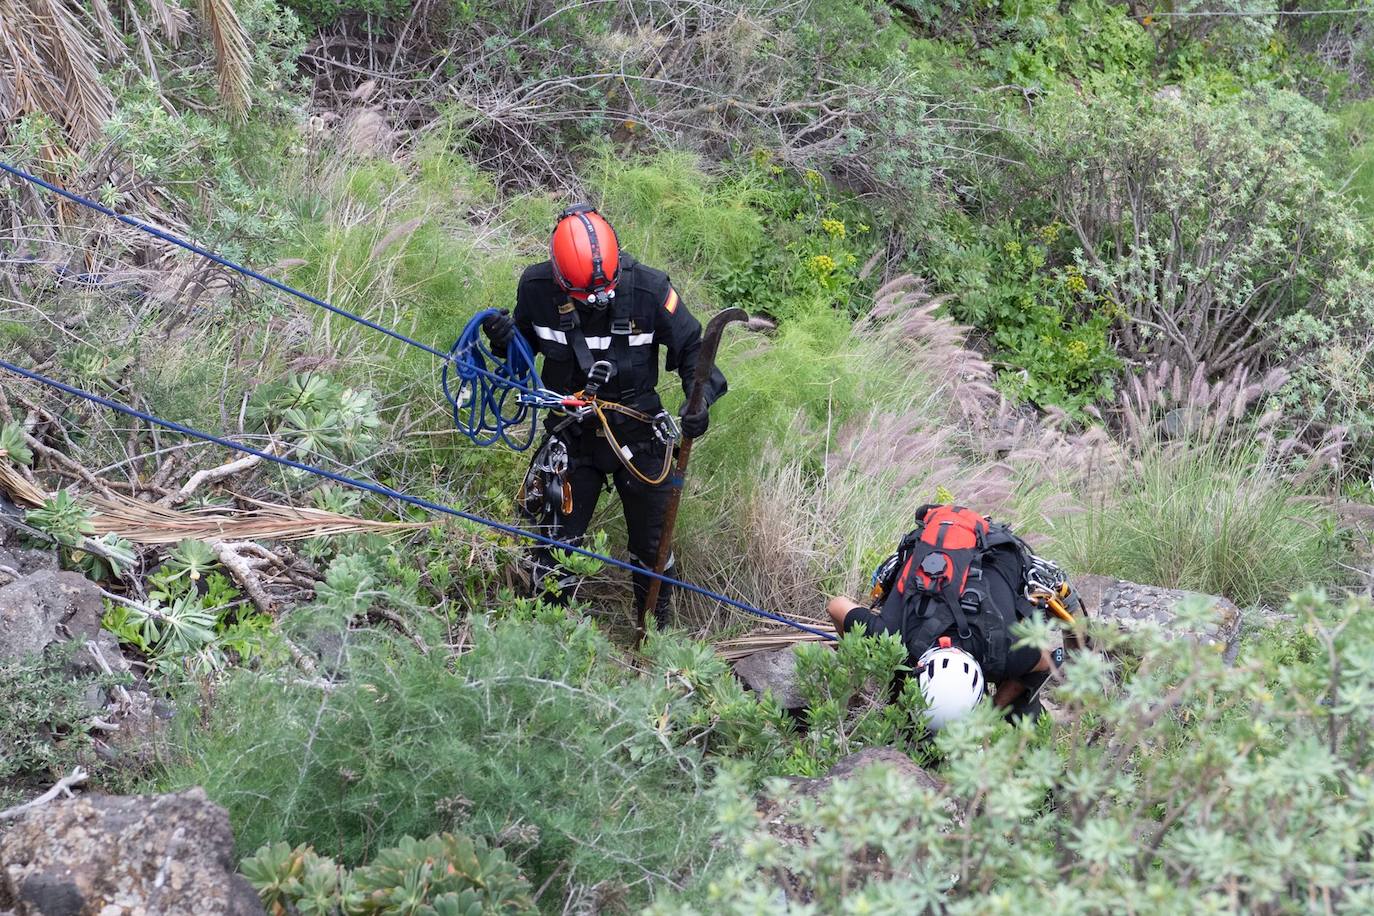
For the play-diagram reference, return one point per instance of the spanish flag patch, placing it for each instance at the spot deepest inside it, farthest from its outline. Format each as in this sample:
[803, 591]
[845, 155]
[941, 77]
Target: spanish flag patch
[671, 302]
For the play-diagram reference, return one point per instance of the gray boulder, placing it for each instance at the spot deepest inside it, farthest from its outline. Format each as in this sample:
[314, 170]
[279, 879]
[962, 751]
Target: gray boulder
[159, 855]
[47, 607]
[1131, 605]
[27, 560]
[774, 671]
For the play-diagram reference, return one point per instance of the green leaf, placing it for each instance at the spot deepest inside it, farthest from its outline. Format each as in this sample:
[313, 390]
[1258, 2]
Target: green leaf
[12, 445]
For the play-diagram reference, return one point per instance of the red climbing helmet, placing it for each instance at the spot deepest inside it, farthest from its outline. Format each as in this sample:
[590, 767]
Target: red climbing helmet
[585, 255]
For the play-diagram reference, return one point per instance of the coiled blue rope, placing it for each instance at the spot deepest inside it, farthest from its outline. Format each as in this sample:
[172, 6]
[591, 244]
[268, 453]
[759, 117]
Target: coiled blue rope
[490, 402]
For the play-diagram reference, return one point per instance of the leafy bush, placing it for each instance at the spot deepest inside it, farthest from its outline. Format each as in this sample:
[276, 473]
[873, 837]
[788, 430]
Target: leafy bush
[192, 618]
[1045, 329]
[1178, 783]
[443, 875]
[68, 523]
[845, 689]
[12, 445]
[1201, 224]
[319, 417]
[46, 724]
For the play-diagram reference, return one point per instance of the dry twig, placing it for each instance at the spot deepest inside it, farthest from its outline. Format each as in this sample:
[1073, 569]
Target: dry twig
[63, 787]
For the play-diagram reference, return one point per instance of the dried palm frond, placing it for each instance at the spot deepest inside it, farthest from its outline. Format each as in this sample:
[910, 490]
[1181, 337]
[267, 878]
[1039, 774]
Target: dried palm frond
[19, 490]
[107, 31]
[769, 640]
[233, 55]
[173, 20]
[145, 523]
[48, 65]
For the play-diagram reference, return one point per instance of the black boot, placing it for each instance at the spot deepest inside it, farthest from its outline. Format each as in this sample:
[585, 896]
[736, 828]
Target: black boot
[663, 607]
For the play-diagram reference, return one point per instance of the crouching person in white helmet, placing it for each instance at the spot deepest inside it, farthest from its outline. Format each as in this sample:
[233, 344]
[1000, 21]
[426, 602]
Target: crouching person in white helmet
[952, 591]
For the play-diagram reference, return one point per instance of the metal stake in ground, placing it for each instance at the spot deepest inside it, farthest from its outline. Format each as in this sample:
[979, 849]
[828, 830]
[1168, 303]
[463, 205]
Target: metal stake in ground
[706, 364]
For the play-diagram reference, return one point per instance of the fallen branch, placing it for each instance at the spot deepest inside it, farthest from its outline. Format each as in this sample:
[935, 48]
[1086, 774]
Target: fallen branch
[302, 660]
[99, 656]
[63, 787]
[243, 563]
[68, 465]
[395, 620]
[213, 475]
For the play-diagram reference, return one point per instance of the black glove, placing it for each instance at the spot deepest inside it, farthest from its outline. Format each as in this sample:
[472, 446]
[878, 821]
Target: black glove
[694, 424]
[500, 330]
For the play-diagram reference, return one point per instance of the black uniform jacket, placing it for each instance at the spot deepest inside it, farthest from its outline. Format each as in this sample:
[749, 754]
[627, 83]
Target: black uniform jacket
[645, 314]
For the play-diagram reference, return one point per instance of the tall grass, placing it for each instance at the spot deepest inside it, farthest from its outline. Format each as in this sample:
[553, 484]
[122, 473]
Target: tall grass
[1221, 516]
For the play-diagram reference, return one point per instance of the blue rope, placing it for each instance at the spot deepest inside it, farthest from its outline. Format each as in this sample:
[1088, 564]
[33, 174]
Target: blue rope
[482, 398]
[482, 394]
[218, 259]
[389, 493]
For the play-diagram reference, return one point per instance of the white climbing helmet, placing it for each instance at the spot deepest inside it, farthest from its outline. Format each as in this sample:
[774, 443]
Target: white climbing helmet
[951, 680]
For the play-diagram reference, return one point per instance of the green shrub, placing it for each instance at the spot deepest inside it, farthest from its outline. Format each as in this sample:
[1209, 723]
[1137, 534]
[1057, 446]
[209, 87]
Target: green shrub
[1200, 223]
[845, 690]
[46, 725]
[1179, 783]
[443, 875]
[1048, 333]
[535, 731]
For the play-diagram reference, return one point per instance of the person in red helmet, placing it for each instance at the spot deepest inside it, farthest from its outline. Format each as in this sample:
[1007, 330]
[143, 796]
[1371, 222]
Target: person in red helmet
[599, 317]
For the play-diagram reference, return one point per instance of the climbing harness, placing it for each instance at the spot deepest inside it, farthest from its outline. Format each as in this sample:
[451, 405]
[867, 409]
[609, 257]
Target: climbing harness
[494, 396]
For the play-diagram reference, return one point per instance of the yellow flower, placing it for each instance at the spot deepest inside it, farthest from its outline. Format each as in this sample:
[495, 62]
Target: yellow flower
[833, 227]
[821, 264]
[812, 177]
[943, 495]
[1078, 349]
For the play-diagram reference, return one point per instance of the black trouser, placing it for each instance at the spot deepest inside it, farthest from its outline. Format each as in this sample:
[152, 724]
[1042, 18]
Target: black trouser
[591, 461]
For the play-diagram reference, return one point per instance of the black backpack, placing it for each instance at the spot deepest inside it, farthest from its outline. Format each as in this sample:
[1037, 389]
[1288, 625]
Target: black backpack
[934, 584]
